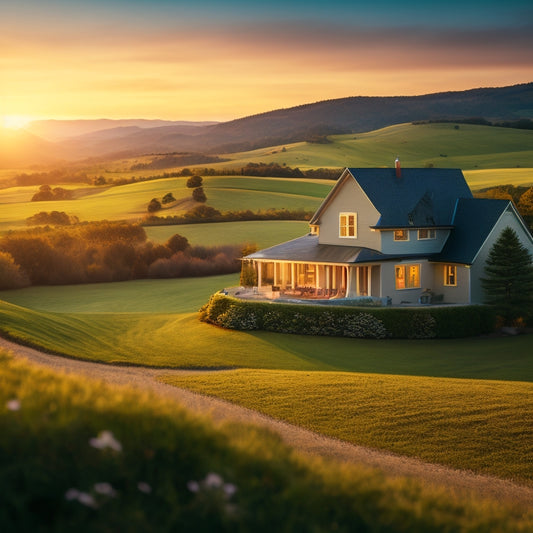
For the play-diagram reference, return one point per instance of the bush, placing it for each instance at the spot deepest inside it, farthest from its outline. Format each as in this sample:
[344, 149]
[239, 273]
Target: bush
[194, 181]
[168, 198]
[373, 323]
[11, 277]
[154, 205]
[198, 195]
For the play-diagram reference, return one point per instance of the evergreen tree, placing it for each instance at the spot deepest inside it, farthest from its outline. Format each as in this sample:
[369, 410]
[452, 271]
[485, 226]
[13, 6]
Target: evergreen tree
[509, 275]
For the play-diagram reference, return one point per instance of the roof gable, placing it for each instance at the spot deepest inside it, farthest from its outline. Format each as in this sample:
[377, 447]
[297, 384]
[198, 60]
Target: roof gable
[474, 219]
[419, 197]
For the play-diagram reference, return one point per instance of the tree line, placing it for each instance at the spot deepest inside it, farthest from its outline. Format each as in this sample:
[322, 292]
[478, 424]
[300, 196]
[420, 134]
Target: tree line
[104, 251]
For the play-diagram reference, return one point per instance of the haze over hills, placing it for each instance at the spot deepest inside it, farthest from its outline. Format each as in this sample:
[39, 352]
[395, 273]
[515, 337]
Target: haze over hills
[107, 138]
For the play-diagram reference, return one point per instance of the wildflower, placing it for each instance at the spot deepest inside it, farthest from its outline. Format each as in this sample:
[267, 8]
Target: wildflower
[82, 497]
[13, 405]
[193, 486]
[87, 499]
[144, 487]
[106, 439]
[105, 489]
[213, 481]
[72, 494]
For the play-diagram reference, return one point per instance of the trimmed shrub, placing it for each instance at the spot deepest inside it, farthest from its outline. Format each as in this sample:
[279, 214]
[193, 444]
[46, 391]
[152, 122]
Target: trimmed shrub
[370, 323]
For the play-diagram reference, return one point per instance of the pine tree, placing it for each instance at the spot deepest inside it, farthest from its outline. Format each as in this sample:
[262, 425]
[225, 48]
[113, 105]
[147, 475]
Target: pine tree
[509, 275]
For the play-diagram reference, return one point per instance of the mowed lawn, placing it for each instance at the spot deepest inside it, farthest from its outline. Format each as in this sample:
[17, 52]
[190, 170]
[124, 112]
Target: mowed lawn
[403, 396]
[478, 425]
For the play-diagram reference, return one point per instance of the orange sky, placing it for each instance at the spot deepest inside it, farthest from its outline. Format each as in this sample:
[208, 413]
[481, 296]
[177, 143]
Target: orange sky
[162, 59]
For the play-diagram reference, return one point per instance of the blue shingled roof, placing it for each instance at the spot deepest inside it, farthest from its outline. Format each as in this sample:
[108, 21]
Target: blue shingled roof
[307, 249]
[474, 219]
[419, 197]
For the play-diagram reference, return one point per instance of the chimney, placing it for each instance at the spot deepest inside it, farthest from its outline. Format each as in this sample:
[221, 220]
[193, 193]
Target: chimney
[398, 168]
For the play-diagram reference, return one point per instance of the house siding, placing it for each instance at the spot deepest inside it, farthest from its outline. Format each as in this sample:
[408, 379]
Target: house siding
[413, 245]
[398, 296]
[350, 198]
[510, 219]
[458, 294]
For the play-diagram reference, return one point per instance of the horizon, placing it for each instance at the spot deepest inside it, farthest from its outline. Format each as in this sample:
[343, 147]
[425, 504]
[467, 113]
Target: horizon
[213, 61]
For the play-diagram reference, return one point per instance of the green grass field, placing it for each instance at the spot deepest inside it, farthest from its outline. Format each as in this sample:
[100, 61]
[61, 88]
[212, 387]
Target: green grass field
[469, 147]
[264, 233]
[169, 471]
[384, 392]
[129, 202]
[477, 425]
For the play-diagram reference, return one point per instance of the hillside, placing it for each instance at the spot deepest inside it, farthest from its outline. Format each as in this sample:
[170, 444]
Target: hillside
[345, 115]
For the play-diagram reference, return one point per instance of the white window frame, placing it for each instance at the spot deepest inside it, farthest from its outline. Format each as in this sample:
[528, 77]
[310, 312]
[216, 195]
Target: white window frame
[404, 267]
[405, 231]
[346, 225]
[450, 275]
[431, 234]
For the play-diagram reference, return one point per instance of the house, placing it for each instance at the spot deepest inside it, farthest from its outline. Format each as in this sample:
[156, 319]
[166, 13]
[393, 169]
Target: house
[400, 235]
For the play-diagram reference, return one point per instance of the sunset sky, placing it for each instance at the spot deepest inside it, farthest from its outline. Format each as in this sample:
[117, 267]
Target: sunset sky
[219, 60]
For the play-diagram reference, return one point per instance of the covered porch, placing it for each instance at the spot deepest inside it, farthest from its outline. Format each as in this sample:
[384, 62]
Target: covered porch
[306, 280]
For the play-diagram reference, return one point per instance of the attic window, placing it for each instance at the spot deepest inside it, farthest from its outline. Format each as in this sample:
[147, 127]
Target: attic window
[401, 235]
[426, 233]
[348, 225]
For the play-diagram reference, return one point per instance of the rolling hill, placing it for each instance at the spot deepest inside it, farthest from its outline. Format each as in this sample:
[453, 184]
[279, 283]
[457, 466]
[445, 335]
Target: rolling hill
[346, 115]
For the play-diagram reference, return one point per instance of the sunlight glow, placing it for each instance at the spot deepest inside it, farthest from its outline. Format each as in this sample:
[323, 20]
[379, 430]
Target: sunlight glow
[15, 122]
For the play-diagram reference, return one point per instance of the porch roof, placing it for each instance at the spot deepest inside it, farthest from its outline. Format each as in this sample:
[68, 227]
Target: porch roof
[307, 249]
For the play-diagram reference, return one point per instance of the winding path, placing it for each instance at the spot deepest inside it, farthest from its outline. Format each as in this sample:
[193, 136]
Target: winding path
[456, 481]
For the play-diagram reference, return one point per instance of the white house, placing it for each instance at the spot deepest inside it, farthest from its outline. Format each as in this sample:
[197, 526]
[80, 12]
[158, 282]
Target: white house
[405, 235]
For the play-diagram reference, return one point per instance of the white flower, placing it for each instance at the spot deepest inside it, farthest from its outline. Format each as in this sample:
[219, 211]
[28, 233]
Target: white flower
[106, 439]
[87, 500]
[105, 489]
[193, 486]
[213, 481]
[83, 497]
[13, 405]
[229, 489]
[144, 487]
[72, 494]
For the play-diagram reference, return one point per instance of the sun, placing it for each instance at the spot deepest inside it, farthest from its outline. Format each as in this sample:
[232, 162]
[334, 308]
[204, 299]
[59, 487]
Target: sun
[15, 122]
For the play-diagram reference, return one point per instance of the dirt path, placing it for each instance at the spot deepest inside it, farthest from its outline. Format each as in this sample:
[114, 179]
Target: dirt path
[456, 481]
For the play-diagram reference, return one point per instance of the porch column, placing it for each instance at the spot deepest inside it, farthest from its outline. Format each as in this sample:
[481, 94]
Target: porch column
[369, 280]
[293, 276]
[259, 274]
[275, 273]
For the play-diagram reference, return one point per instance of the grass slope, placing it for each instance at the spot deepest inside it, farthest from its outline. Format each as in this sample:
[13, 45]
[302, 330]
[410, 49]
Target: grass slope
[53, 478]
[469, 424]
[131, 201]
[154, 322]
[469, 147]
[263, 233]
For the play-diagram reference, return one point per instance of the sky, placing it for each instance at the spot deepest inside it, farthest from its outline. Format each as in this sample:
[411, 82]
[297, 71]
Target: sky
[220, 60]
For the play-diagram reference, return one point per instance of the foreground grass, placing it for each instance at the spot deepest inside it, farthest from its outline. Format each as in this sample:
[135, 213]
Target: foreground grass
[53, 478]
[483, 426]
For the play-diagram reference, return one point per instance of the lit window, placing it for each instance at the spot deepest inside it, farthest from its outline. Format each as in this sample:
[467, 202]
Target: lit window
[407, 276]
[348, 225]
[314, 229]
[401, 235]
[450, 275]
[426, 233]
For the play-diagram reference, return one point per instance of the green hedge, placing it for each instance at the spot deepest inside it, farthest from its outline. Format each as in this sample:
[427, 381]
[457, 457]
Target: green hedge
[368, 322]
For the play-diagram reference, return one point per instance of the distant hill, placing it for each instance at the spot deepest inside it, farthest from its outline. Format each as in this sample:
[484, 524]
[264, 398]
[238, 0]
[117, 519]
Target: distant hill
[126, 138]
[57, 130]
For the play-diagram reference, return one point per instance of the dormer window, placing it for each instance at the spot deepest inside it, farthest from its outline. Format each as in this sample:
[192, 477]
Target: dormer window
[348, 225]
[426, 233]
[401, 235]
